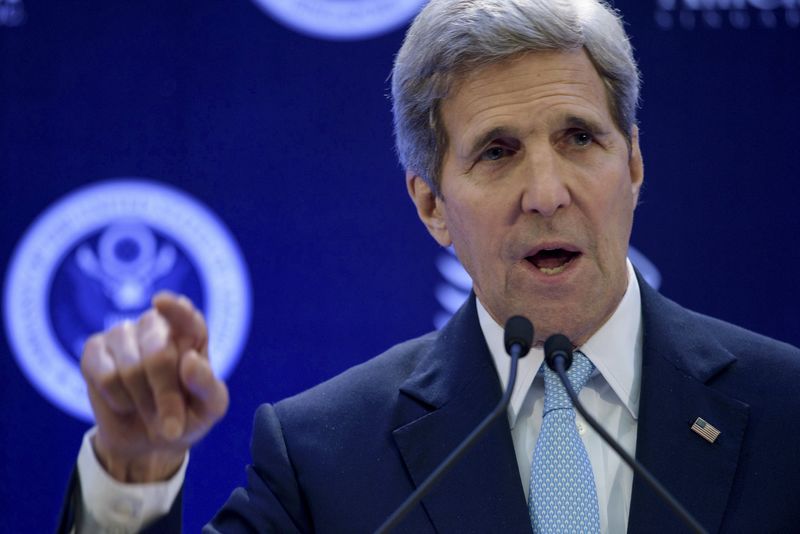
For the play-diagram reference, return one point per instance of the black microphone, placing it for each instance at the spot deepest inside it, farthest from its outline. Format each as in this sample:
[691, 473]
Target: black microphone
[558, 346]
[558, 356]
[518, 335]
[518, 338]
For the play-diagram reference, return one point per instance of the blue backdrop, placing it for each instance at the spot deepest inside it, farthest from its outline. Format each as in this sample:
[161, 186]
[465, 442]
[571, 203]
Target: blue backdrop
[285, 140]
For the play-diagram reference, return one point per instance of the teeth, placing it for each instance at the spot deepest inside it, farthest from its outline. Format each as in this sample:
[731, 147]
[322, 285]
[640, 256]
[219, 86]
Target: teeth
[554, 270]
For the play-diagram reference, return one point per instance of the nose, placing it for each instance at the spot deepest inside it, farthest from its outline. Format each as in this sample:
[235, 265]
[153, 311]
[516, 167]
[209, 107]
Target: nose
[545, 189]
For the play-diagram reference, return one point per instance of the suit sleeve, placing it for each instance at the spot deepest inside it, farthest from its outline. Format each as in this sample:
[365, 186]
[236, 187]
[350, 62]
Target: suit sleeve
[272, 501]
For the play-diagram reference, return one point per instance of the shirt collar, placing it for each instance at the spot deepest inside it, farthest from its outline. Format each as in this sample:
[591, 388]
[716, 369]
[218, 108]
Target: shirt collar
[615, 350]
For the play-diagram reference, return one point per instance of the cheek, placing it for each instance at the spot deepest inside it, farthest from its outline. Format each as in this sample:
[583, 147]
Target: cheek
[455, 222]
[619, 224]
[612, 217]
[475, 237]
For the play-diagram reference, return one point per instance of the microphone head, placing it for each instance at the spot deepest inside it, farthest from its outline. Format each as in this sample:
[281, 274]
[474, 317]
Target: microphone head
[519, 331]
[558, 345]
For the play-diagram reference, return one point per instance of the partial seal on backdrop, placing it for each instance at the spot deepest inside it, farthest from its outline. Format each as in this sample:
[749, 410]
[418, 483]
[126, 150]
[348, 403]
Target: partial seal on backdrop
[96, 257]
[342, 20]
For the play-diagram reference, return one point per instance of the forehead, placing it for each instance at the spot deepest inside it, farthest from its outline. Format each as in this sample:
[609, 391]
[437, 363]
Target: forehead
[533, 87]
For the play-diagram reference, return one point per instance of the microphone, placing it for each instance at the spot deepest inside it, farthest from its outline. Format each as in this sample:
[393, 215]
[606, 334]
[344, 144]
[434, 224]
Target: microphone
[558, 356]
[518, 337]
[558, 346]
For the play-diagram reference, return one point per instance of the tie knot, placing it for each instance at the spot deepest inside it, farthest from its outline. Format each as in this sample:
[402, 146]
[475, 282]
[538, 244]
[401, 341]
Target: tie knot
[555, 396]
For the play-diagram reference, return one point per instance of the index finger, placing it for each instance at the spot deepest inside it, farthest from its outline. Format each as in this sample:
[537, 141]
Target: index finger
[161, 369]
[188, 328]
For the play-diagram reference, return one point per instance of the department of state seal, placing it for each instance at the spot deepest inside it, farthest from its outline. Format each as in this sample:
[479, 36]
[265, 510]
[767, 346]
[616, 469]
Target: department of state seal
[96, 257]
[342, 19]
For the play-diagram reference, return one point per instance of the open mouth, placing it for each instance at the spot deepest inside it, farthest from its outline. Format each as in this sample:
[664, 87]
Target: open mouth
[552, 261]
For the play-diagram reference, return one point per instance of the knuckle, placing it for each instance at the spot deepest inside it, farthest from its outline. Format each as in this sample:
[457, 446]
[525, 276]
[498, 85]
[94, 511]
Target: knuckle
[120, 340]
[184, 301]
[160, 361]
[93, 345]
[87, 362]
[94, 361]
[121, 404]
[147, 318]
[170, 402]
[109, 383]
[200, 326]
[163, 294]
[120, 330]
[133, 375]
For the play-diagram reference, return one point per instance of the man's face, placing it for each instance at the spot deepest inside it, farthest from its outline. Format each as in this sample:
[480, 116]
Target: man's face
[538, 188]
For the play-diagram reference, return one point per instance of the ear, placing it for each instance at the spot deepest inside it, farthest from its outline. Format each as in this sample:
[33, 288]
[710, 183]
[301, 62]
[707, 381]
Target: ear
[635, 165]
[430, 208]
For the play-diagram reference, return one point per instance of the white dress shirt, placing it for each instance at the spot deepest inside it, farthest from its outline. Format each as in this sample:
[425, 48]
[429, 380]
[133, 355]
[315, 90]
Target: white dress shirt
[611, 395]
[114, 507]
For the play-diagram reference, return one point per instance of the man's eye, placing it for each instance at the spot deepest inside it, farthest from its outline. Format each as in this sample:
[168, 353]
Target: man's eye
[582, 138]
[494, 153]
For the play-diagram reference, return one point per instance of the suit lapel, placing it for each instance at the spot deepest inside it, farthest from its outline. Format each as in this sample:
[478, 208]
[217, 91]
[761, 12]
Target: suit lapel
[678, 363]
[451, 391]
[455, 386]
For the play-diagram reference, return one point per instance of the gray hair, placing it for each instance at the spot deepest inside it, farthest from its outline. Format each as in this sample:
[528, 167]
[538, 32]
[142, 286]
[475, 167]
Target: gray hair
[452, 37]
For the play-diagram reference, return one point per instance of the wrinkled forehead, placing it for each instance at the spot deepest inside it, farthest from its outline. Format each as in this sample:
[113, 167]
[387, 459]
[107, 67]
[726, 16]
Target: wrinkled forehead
[570, 73]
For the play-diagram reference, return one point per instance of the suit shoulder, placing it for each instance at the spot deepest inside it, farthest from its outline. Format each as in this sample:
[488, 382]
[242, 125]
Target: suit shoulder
[745, 365]
[763, 372]
[669, 320]
[742, 341]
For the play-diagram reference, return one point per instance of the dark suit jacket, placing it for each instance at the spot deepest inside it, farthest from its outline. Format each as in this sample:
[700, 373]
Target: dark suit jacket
[343, 455]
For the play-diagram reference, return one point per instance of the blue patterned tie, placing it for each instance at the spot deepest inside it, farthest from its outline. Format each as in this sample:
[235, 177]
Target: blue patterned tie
[562, 498]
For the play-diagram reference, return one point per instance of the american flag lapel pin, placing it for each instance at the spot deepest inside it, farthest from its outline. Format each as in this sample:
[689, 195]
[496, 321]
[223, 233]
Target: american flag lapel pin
[705, 429]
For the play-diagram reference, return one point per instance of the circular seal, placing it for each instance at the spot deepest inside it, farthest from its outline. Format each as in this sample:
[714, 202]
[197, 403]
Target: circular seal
[342, 20]
[97, 256]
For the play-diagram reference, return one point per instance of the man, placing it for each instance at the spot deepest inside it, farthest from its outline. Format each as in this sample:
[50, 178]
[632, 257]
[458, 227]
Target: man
[515, 121]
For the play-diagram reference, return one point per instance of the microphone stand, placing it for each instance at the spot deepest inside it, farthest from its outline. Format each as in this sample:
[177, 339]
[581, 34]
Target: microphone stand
[393, 520]
[661, 491]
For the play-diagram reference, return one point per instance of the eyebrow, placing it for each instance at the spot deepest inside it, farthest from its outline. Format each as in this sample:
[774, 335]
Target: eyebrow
[488, 137]
[573, 121]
